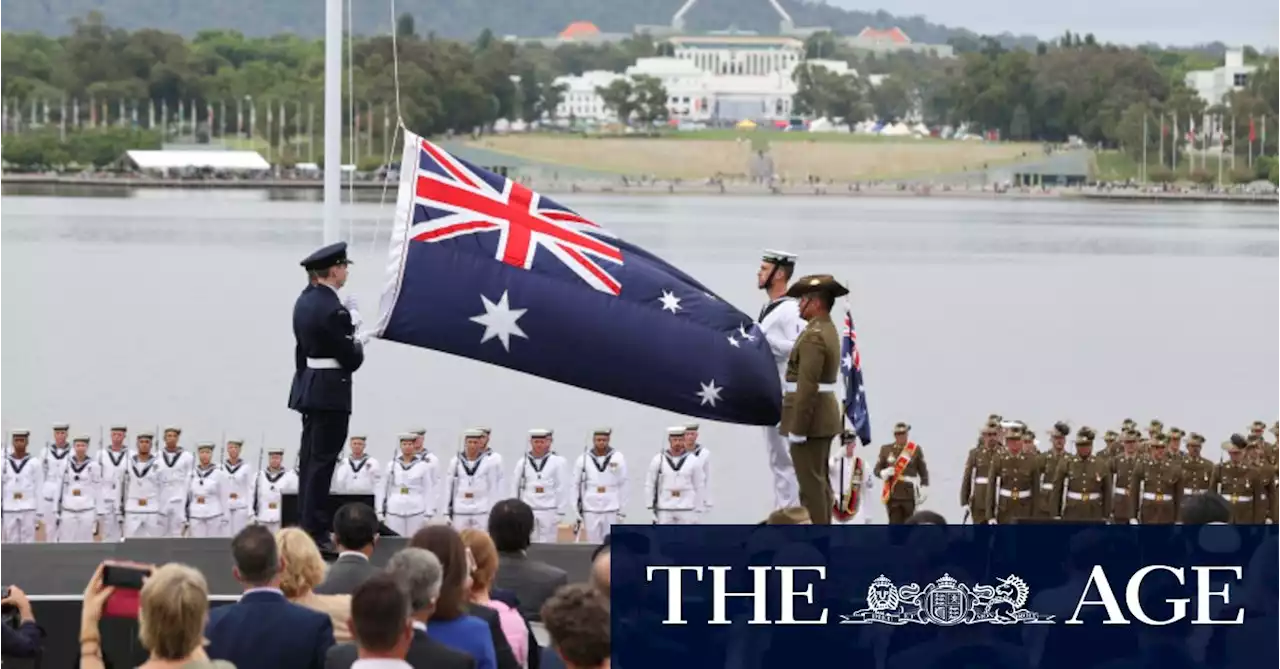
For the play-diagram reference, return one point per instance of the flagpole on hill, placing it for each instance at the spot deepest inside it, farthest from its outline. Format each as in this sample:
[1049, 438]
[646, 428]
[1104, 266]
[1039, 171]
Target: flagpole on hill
[332, 119]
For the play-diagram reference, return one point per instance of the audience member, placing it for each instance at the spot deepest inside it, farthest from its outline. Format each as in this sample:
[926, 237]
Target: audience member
[303, 570]
[24, 640]
[601, 567]
[485, 557]
[533, 581]
[473, 629]
[792, 515]
[577, 618]
[355, 531]
[264, 629]
[1207, 508]
[380, 624]
[173, 607]
[926, 518]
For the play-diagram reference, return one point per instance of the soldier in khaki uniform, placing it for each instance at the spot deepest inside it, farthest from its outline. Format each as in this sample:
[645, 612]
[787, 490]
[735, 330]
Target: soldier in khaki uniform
[1239, 484]
[810, 411]
[1153, 428]
[1157, 486]
[1014, 476]
[1197, 471]
[1082, 483]
[1112, 440]
[1048, 501]
[1174, 451]
[906, 477]
[975, 493]
[1122, 468]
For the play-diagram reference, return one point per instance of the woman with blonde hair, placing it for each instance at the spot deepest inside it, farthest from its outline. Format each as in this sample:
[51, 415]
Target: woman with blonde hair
[173, 608]
[303, 571]
[484, 567]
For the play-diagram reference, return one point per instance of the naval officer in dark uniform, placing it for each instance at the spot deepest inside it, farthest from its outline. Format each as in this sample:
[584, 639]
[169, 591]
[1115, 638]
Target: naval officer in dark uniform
[326, 354]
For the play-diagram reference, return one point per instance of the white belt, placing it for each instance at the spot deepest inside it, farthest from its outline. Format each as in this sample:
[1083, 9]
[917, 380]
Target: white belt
[1122, 491]
[1022, 494]
[1046, 486]
[981, 480]
[1160, 497]
[790, 387]
[1191, 491]
[1083, 496]
[323, 363]
[1239, 498]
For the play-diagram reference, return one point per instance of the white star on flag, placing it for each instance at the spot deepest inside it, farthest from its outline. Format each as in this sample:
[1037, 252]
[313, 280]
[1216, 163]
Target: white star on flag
[847, 362]
[742, 329]
[710, 394]
[499, 320]
[734, 341]
[669, 301]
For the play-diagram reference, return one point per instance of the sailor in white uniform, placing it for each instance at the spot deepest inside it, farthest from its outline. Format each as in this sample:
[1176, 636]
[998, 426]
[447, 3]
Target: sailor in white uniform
[54, 461]
[701, 456]
[144, 497]
[496, 457]
[358, 473]
[474, 479]
[410, 492]
[436, 467]
[674, 485]
[175, 467]
[113, 462]
[240, 478]
[419, 442]
[781, 323]
[269, 490]
[849, 486]
[542, 482]
[600, 481]
[22, 486]
[78, 495]
[208, 496]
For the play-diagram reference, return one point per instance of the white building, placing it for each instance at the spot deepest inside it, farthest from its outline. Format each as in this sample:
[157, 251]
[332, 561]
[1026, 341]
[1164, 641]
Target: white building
[713, 78]
[1213, 85]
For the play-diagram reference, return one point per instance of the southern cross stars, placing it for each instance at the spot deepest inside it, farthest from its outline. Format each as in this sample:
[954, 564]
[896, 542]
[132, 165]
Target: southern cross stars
[669, 301]
[499, 320]
[710, 393]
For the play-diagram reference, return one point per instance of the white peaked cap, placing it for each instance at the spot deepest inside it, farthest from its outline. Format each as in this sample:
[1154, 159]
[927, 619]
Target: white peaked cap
[473, 433]
[677, 431]
[61, 425]
[540, 432]
[408, 436]
[419, 431]
[81, 437]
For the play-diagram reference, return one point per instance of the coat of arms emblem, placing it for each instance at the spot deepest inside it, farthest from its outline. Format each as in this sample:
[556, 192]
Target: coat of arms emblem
[947, 602]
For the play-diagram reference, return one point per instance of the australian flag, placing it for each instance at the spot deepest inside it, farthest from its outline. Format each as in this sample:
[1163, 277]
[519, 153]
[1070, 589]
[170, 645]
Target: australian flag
[855, 393]
[485, 268]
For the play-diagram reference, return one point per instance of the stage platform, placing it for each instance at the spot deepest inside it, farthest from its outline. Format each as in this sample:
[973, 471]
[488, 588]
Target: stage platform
[54, 577]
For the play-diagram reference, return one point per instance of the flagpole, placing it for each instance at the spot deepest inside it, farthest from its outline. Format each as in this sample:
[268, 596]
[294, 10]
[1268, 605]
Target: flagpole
[332, 119]
[1143, 172]
[1162, 128]
[1233, 141]
[1175, 145]
[1220, 150]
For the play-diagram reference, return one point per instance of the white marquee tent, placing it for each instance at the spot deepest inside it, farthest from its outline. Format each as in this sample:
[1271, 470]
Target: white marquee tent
[230, 161]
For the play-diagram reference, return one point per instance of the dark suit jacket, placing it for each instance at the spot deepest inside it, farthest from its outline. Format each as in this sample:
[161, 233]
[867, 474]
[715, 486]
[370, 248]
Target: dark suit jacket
[22, 642]
[344, 575]
[322, 329]
[424, 653]
[533, 581]
[551, 659]
[501, 647]
[264, 630]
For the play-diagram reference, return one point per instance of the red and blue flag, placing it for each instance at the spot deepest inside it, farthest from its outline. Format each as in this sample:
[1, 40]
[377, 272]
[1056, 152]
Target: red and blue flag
[855, 391]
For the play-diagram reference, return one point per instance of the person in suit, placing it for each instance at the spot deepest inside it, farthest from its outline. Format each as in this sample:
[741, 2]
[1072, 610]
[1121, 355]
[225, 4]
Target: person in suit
[380, 624]
[419, 573]
[451, 620]
[264, 629]
[326, 354]
[355, 531]
[533, 581]
[302, 572]
[24, 640]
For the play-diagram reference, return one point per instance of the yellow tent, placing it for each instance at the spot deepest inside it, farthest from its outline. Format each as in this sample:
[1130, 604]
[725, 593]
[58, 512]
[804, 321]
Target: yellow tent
[746, 124]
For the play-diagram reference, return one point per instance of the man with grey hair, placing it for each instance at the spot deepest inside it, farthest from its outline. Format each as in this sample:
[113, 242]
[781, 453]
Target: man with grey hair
[419, 573]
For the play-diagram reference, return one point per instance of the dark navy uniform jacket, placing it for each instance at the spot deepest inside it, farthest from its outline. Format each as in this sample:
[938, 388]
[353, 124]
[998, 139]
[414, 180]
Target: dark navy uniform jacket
[322, 330]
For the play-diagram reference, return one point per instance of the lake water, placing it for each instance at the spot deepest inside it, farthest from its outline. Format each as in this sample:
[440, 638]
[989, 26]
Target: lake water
[174, 307]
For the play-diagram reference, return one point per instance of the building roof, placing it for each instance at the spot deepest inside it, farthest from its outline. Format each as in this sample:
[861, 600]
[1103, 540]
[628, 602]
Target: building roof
[214, 160]
[579, 29]
[731, 40]
[894, 35]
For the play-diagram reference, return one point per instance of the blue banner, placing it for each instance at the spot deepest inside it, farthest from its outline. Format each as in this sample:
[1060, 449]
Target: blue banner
[1045, 596]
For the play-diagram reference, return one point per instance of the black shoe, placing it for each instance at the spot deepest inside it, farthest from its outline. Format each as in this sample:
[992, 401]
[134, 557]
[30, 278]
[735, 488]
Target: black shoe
[328, 551]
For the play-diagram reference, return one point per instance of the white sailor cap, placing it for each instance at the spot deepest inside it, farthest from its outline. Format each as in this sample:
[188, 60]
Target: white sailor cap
[407, 436]
[473, 433]
[691, 427]
[420, 431]
[361, 437]
[485, 430]
[676, 431]
[20, 433]
[62, 425]
[145, 434]
[540, 433]
[235, 440]
[173, 428]
[275, 450]
[205, 446]
[81, 437]
[119, 427]
[603, 430]
[778, 257]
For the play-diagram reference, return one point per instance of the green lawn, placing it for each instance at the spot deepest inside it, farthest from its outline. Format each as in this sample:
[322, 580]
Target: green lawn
[769, 135]
[1120, 166]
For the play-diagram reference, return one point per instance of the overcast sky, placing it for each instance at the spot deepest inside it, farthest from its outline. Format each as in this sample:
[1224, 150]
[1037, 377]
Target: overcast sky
[1252, 22]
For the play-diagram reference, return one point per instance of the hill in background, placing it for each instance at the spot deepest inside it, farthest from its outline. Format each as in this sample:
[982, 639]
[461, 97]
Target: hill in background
[463, 19]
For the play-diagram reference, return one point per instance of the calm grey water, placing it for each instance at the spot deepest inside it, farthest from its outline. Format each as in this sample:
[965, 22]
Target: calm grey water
[174, 307]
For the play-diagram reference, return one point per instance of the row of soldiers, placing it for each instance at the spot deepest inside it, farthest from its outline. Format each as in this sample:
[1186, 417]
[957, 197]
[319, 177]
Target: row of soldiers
[122, 492]
[1136, 479]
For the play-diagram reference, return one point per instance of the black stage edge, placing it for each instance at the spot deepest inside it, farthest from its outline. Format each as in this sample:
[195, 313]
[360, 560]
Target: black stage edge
[54, 577]
[289, 509]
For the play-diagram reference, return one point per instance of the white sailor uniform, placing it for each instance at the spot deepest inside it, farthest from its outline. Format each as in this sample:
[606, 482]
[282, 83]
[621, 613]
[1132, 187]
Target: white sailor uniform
[54, 461]
[208, 498]
[112, 465]
[677, 486]
[239, 479]
[144, 499]
[269, 493]
[78, 497]
[175, 475]
[601, 484]
[543, 484]
[840, 477]
[781, 323]
[701, 457]
[473, 488]
[409, 497]
[22, 486]
[357, 476]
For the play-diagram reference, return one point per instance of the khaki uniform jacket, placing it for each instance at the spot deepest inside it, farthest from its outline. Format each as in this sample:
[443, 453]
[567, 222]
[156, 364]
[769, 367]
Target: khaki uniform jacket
[1239, 484]
[1160, 483]
[814, 361]
[974, 486]
[1014, 478]
[916, 468]
[1197, 475]
[1082, 488]
[1049, 501]
[1122, 501]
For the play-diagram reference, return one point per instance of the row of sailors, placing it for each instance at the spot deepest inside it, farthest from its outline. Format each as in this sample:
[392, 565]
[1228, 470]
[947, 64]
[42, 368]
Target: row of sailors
[1138, 481]
[136, 494]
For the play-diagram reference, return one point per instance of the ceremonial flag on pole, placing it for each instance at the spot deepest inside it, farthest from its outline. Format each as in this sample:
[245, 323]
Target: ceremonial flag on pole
[855, 393]
[485, 268]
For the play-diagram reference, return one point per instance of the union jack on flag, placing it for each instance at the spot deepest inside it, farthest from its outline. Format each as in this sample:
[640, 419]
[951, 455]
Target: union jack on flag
[486, 268]
[855, 395]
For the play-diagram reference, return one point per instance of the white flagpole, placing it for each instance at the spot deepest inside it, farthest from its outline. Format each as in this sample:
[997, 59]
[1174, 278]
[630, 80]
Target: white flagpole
[332, 119]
